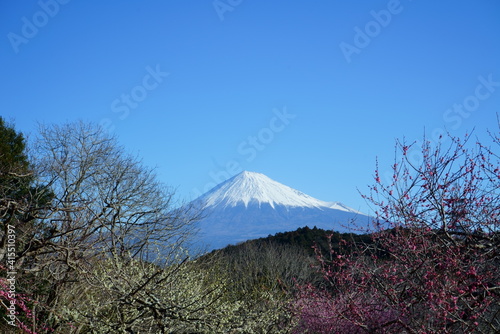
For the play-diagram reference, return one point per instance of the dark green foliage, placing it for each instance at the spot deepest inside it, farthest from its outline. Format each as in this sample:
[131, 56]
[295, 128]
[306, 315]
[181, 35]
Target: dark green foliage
[12, 149]
[15, 178]
[309, 238]
[14, 166]
[21, 199]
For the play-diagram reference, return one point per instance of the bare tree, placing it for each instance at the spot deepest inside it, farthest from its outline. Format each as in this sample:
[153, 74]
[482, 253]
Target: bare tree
[106, 207]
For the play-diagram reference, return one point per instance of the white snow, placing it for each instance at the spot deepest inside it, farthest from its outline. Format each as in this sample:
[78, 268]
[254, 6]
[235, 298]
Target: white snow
[340, 206]
[249, 187]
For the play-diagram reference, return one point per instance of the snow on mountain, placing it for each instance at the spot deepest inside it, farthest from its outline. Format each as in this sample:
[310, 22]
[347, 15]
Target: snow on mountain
[248, 187]
[340, 206]
[251, 205]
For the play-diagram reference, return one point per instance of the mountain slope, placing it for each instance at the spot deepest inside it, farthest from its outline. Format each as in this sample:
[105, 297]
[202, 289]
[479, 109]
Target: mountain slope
[251, 205]
[249, 187]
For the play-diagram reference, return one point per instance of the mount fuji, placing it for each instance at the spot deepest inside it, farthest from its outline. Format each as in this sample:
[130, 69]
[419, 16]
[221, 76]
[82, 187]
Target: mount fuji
[251, 205]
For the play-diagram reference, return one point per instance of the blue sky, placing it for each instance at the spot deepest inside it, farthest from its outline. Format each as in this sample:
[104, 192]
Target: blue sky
[308, 93]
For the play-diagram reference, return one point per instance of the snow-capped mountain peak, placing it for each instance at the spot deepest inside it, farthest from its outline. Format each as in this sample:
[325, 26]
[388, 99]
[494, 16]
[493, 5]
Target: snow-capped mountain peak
[251, 205]
[251, 187]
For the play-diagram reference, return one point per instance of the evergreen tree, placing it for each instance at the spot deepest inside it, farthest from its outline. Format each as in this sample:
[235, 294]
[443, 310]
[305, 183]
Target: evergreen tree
[14, 171]
[22, 200]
